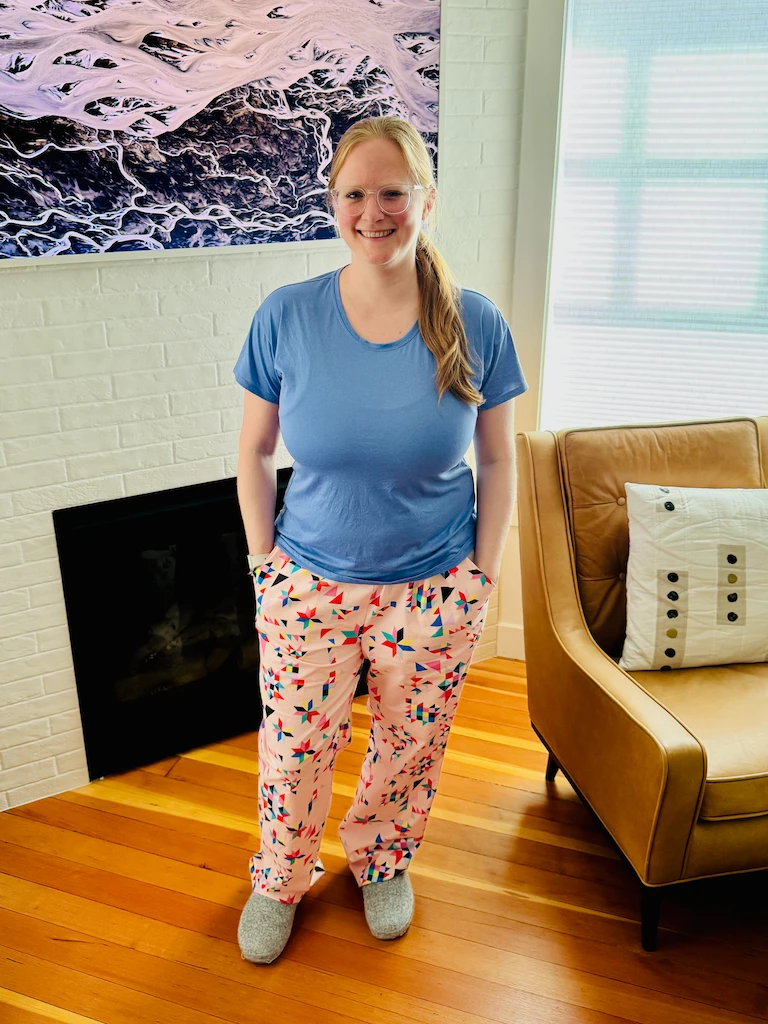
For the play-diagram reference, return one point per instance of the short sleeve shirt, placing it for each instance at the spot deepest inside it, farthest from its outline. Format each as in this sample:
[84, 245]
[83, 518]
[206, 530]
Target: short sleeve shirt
[380, 491]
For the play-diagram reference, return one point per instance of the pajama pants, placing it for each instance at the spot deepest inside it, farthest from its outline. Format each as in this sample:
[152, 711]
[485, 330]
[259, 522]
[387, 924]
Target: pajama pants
[313, 636]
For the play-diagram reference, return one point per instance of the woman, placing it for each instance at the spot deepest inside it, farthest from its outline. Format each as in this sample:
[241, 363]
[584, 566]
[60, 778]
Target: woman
[374, 375]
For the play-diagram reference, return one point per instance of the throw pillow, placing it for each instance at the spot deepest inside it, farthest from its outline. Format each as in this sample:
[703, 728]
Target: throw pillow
[697, 577]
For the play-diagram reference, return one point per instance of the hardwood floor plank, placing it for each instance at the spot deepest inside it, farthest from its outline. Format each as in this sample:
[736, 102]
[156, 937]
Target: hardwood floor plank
[510, 693]
[590, 840]
[492, 967]
[448, 897]
[419, 981]
[485, 674]
[103, 1001]
[542, 802]
[119, 860]
[132, 803]
[153, 838]
[165, 857]
[120, 901]
[158, 975]
[507, 667]
[467, 763]
[525, 847]
[500, 1003]
[87, 970]
[451, 866]
[497, 749]
[234, 806]
[488, 698]
[353, 994]
[153, 902]
[217, 879]
[463, 909]
[520, 814]
[19, 1009]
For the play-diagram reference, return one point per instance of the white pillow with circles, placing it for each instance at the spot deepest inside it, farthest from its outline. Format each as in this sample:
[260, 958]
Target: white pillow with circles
[697, 577]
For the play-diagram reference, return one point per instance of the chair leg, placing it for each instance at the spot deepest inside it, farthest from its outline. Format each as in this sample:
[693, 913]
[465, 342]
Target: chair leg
[650, 905]
[552, 768]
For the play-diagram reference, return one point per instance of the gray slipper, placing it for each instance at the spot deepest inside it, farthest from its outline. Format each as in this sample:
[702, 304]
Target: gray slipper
[264, 929]
[389, 906]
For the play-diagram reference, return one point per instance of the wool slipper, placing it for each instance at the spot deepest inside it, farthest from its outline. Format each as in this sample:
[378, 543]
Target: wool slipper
[264, 929]
[389, 906]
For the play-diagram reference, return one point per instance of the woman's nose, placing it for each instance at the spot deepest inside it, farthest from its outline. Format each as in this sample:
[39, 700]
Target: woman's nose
[372, 197]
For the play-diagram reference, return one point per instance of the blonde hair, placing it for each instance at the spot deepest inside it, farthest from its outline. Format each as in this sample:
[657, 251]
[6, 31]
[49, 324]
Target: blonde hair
[439, 316]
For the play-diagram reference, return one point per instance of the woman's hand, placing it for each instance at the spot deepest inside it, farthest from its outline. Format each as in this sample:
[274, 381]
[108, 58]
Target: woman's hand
[492, 576]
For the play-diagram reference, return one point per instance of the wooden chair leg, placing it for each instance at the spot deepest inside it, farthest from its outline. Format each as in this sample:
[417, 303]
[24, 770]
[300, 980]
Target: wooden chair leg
[650, 906]
[552, 768]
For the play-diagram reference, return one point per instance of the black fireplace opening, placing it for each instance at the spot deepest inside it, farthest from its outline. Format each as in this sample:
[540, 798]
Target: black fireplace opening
[160, 608]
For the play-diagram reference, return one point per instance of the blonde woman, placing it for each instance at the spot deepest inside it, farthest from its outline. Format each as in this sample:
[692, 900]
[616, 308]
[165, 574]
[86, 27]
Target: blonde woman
[379, 377]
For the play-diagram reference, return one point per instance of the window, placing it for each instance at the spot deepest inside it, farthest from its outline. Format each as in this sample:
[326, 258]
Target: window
[657, 305]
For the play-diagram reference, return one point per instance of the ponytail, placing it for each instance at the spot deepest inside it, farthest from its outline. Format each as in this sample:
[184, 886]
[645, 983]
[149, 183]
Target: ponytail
[441, 325]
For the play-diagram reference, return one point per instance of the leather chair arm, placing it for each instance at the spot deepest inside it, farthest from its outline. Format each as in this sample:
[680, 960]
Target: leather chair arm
[640, 769]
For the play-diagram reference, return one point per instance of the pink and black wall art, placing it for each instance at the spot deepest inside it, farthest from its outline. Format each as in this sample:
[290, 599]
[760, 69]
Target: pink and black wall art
[166, 124]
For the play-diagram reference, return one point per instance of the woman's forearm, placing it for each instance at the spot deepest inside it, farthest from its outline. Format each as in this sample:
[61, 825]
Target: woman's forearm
[495, 500]
[256, 490]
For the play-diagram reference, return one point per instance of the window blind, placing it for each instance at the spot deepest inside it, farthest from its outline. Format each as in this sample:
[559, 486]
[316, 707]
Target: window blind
[657, 300]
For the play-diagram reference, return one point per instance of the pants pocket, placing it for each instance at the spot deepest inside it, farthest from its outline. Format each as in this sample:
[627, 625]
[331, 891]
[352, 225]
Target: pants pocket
[477, 572]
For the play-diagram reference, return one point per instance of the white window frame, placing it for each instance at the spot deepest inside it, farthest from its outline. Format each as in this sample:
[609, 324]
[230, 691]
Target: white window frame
[539, 150]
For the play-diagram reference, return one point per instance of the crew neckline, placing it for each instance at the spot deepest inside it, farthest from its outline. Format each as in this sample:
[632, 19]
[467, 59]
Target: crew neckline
[385, 345]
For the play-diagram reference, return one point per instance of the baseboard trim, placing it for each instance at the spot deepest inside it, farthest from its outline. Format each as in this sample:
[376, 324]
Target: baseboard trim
[509, 641]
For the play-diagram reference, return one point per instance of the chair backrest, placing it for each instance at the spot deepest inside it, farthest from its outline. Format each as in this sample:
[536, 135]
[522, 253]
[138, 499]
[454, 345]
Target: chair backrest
[596, 462]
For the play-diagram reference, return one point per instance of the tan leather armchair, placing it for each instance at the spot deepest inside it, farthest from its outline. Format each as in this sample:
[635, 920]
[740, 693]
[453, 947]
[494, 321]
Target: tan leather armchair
[674, 764]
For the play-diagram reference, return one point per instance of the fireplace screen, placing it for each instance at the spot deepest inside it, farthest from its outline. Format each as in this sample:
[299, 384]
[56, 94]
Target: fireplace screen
[161, 621]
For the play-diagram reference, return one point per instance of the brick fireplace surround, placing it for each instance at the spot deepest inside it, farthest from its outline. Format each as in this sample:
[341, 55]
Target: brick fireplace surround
[116, 379]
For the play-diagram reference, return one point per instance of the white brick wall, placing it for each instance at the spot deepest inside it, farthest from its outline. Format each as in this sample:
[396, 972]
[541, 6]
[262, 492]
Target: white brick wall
[116, 377]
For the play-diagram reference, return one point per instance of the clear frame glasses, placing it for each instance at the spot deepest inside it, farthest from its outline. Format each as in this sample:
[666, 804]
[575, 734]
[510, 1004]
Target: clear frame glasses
[391, 198]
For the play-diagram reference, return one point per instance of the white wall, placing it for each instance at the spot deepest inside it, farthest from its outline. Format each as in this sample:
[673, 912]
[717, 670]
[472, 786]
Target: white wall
[116, 377]
[535, 179]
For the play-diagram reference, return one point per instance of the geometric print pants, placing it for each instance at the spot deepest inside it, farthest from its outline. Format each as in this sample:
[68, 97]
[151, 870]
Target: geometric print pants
[313, 636]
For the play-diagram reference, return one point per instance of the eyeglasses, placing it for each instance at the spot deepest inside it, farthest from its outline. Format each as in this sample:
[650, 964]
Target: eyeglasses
[391, 198]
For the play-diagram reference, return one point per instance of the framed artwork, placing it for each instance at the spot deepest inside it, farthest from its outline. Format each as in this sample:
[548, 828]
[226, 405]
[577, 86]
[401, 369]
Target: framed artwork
[167, 124]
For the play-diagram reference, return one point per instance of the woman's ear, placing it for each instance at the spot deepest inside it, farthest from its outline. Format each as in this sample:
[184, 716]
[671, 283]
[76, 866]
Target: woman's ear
[429, 201]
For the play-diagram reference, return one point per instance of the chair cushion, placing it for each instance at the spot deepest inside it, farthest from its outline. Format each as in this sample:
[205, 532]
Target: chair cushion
[595, 463]
[697, 576]
[726, 708]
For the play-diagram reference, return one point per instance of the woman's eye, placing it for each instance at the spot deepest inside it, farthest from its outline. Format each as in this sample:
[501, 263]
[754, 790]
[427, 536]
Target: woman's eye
[352, 195]
[394, 193]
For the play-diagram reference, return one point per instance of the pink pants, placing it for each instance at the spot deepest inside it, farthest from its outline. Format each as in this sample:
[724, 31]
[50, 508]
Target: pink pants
[313, 636]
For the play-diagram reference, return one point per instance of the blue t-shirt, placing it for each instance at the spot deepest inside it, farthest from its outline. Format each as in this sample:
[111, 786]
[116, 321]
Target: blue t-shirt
[380, 490]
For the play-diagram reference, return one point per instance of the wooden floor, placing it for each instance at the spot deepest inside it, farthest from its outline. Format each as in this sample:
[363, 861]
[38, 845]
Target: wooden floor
[119, 902]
